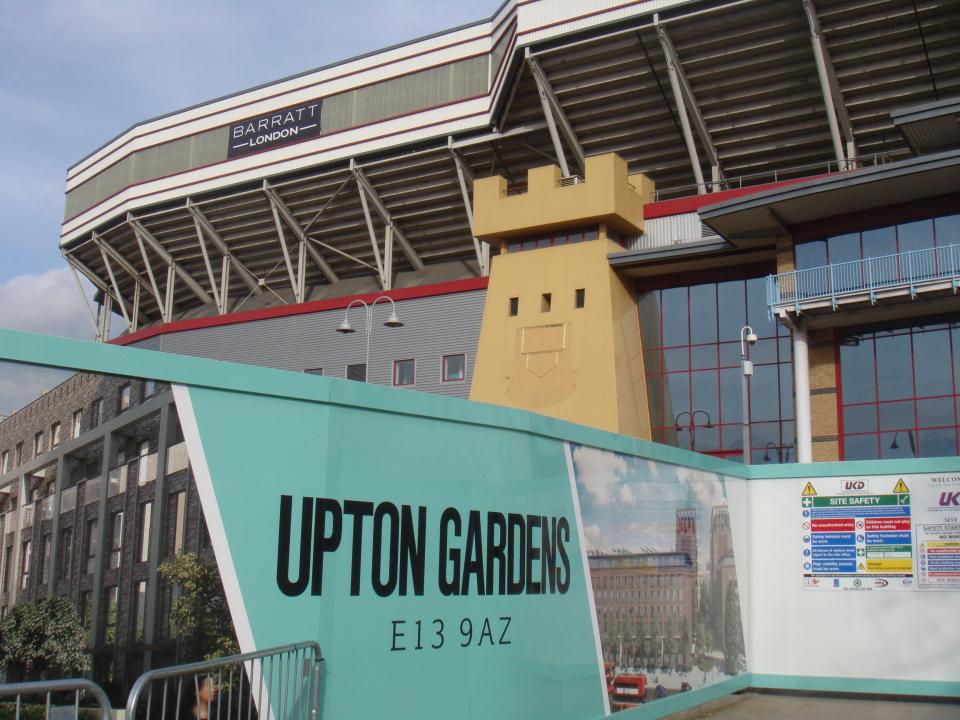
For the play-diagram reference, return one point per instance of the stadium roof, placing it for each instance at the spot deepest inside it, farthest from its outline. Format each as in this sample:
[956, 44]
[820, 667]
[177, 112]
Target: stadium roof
[698, 95]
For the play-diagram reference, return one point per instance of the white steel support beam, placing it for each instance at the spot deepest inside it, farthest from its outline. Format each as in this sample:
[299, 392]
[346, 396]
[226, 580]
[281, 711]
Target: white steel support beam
[280, 207]
[678, 98]
[217, 296]
[155, 289]
[465, 178]
[86, 301]
[145, 236]
[382, 272]
[830, 88]
[116, 286]
[294, 283]
[247, 277]
[689, 103]
[136, 308]
[171, 283]
[105, 317]
[124, 265]
[384, 214]
[555, 117]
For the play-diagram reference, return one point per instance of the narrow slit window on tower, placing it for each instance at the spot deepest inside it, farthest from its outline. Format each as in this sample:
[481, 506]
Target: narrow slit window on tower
[580, 297]
[545, 302]
[514, 306]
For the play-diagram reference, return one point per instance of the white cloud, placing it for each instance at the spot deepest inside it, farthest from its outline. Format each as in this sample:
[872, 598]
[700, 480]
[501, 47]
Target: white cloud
[592, 532]
[45, 303]
[626, 495]
[600, 473]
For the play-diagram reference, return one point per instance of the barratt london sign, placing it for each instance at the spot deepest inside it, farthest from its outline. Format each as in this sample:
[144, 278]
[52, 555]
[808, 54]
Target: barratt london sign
[292, 124]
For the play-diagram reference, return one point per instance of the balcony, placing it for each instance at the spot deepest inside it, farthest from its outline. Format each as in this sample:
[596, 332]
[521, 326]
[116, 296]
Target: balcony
[142, 470]
[902, 277]
[177, 458]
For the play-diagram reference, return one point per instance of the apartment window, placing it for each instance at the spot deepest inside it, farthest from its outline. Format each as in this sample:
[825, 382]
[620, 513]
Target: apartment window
[178, 506]
[314, 371]
[545, 302]
[45, 560]
[514, 307]
[86, 613]
[112, 596]
[65, 552]
[24, 564]
[55, 434]
[91, 545]
[143, 452]
[18, 455]
[404, 372]
[116, 538]
[123, 398]
[38, 444]
[579, 298]
[149, 388]
[143, 531]
[140, 611]
[357, 372]
[96, 412]
[454, 368]
[7, 568]
[77, 423]
[5, 462]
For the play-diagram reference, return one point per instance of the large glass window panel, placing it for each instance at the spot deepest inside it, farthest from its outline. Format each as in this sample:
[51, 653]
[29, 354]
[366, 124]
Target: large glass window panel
[732, 310]
[764, 394]
[843, 248]
[786, 390]
[704, 388]
[881, 244]
[677, 359]
[860, 447]
[915, 235]
[935, 413]
[894, 367]
[758, 316]
[703, 314]
[897, 415]
[731, 395]
[703, 357]
[679, 385]
[931, 353]
[675, 316]
[938, 443]
[860, 418]
[811, 254]
[947, 229]
[898, 445]
[730, 354]
[765, 351]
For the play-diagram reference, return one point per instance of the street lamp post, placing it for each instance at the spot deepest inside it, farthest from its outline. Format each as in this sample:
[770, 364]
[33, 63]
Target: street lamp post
[747, 338]
[693, 424]
[346, 328]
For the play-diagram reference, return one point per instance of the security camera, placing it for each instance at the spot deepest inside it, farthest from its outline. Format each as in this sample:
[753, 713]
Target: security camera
[751, 339]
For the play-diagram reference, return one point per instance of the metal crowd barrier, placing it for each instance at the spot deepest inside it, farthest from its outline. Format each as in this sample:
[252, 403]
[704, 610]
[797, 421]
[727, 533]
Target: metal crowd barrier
[281, 683]
[47, 688]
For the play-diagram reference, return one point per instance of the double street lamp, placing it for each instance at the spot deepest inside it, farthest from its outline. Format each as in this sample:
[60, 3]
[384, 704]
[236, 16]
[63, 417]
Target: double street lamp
[391, 322]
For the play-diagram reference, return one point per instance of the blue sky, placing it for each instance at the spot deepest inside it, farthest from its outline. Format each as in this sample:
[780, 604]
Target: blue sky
[78, 72]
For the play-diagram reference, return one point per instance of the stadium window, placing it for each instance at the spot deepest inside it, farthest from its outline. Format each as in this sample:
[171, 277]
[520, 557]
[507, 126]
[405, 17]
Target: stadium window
[454, 368]
[55, 434]
[86, 613]
[24, 564]
[77, 422]
[66, 554]
[5, 462]
[149, 388]
[45, 559]
[580, 298]
[38, 444]
[18, 455]
[314, 371]
[123, 399]
[140, 610]
[404, 372]
[514, 306]
[357, 372]
[545, 302]
[178, 509]
[110, 614]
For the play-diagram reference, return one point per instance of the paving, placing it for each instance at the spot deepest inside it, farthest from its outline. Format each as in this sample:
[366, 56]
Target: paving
[754, 706]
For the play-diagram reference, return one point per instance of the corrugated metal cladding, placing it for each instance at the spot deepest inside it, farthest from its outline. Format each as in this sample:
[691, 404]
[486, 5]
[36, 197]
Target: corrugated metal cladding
[433, 327]
[672, 230]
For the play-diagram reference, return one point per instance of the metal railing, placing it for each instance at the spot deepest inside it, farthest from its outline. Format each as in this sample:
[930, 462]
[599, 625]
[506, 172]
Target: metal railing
[281, 683]
[771, 176]
[907, 270]
[47, 688]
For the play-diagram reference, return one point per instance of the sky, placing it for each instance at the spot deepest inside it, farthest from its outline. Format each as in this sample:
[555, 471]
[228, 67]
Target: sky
[76, 73]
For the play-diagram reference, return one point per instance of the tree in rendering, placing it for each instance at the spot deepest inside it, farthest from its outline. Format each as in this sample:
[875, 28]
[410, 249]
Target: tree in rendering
[733, 650]
[43, 641]
[198, 614]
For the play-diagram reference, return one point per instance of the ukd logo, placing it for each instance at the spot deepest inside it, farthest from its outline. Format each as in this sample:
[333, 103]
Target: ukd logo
[950, 499]
[854, 486]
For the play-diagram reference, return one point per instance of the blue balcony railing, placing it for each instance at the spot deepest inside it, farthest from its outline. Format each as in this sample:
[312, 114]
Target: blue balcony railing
[906, 271]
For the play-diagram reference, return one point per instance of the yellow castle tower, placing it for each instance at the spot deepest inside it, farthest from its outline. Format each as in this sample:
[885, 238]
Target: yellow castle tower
[560, 332]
